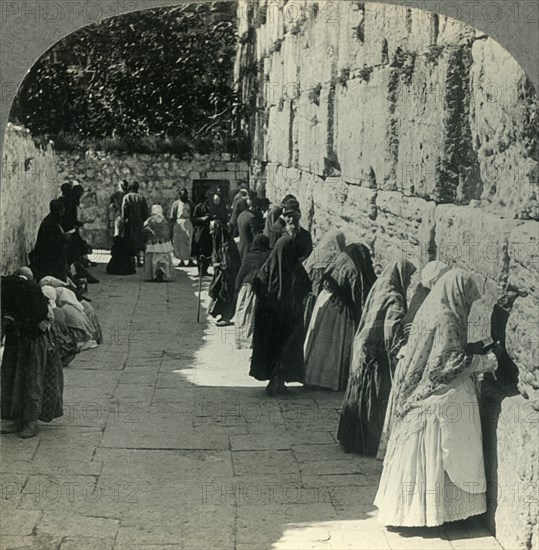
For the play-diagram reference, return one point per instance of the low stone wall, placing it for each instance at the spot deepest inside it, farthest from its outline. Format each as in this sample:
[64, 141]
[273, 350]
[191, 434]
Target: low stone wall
[161, 176]
[415, 134]
[29, 183]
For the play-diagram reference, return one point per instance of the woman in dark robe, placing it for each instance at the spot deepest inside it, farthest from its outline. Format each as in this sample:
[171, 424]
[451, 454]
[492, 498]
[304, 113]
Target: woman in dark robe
[316, 264]
[272, 215]
[281, 287]
[49, 256]
[32, 380]
[226, 264]
[246, 302]
[328, 344]
[202, 238]
[134, 213]
[373, 364]
[122, 258]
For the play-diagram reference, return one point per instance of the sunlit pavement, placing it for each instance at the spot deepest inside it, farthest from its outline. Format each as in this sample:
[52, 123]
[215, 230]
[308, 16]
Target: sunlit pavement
[166, 443]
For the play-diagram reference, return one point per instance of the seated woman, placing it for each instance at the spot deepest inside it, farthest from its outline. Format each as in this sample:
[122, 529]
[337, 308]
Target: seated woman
[369, 384]
[31, 376]
[430, 274]
[158, 263]
[65, 340]
[316, 264]
[122, 258]
[246, 303]
[76, 319]
[226, 264]
[434, 470]
[328, 344]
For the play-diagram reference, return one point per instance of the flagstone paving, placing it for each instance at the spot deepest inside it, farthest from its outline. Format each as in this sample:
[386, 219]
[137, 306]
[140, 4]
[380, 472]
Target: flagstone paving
[166, 443]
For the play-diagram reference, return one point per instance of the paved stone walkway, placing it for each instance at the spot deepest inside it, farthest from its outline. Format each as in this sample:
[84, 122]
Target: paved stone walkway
[166, 443]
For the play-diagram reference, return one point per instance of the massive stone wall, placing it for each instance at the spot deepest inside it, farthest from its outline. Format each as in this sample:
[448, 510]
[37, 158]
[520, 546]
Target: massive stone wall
[29, 183]
[417, 135]
[160, 176]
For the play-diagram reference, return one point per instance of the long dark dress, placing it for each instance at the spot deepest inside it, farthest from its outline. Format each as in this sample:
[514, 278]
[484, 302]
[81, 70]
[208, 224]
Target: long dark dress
[122, 261]
[31, 376]
[134, 213]
[328, 346]
[223, 286]
[249, 224]
[369, 385]
[202, 239]
[280, 286]
[49, 255]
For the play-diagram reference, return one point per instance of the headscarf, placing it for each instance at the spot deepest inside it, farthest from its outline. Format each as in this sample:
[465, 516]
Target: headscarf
[274, 213]
[432, 272]
[157, 212]
[281, 271]
[385, 308]
[435, 354]
[253, 261]
[66, 296]
[51, 281]
[331, 244]
[51, 294]
[352, 272]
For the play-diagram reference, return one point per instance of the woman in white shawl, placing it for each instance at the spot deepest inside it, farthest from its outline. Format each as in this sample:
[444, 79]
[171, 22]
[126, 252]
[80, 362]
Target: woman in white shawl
[430, 275]
[76, 319]
[433, 469]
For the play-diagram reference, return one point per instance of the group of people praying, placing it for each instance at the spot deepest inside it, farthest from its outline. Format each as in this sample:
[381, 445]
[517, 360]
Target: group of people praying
[322, 317]
[47, 318]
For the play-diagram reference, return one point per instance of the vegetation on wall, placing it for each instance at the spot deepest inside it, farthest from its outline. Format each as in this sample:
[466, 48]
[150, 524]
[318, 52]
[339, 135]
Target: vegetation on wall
[158, 79]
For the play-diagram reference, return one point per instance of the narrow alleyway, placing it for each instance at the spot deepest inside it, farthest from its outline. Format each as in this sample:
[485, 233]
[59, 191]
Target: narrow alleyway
[166, 443]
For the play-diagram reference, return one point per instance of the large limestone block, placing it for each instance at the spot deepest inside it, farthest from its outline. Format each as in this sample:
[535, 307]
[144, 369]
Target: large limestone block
[516, 504]
[453, 32]
[386, 28]
[472, 239]
[351, 16]
[522, 336]
[279, 129]
[504, 129]
[420, 126]
[352, 210]
[314, 126]
[404, 228]
[524, 258]
[363, 112]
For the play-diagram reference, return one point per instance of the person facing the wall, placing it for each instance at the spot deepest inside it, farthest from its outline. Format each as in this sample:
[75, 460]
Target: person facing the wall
[49, 256]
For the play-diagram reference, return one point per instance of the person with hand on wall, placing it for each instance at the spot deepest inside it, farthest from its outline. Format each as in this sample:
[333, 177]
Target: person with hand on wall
[49, 256]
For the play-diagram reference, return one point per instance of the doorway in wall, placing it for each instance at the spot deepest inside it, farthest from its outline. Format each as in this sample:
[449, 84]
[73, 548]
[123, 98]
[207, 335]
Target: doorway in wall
[201, 187]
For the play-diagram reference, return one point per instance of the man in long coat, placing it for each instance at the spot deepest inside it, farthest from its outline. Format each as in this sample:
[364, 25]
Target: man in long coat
[134, 213]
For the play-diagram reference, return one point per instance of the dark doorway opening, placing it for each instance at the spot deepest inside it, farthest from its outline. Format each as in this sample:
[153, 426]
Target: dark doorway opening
[201, 187]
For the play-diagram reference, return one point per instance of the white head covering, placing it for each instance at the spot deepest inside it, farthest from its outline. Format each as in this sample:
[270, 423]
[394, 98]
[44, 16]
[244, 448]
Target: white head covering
[51, 281]
[51, 294]
[432, 272]
[66, 296]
